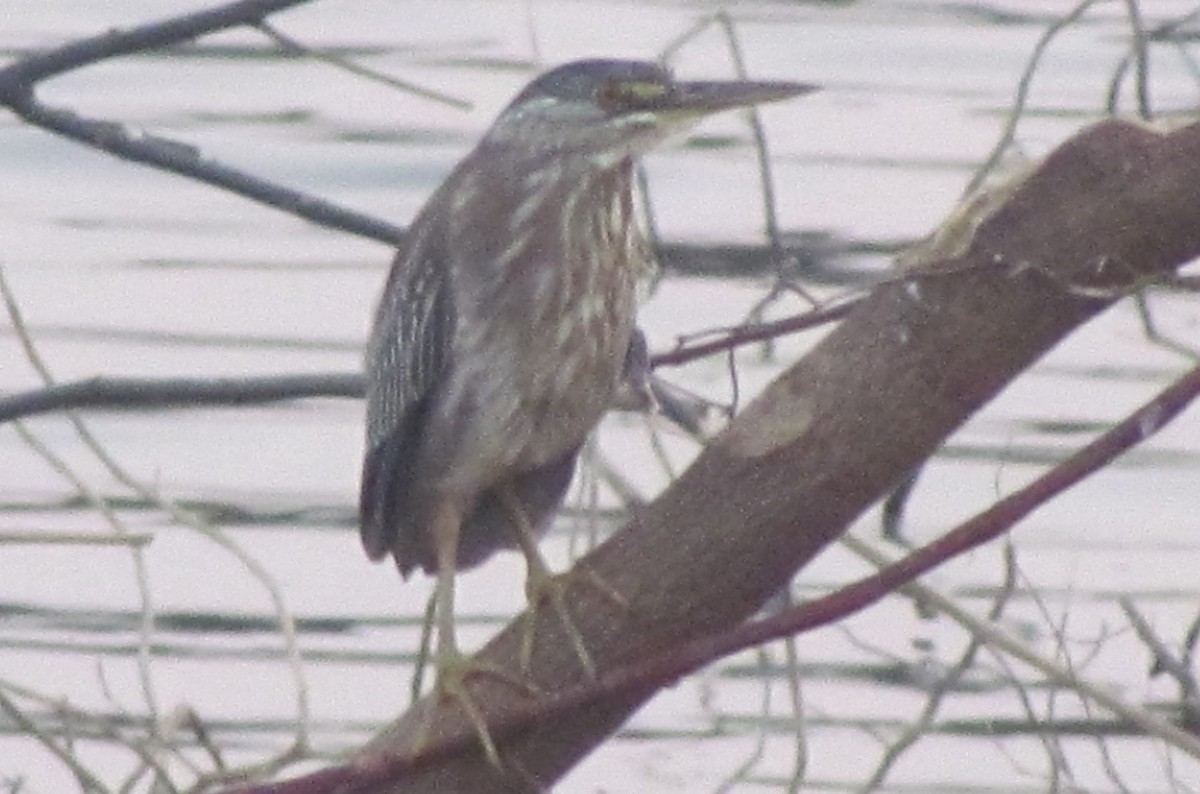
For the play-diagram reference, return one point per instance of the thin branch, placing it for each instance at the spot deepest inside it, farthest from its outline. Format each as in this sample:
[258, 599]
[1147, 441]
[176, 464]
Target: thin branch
[20, 76]
[765, 178]
[739, 776]
[87, 781]
[292, 46]
[1150, 329]
[1165, 660]
[749, 334]
[19, 79]
[1022, 97]
[190, 519]
[945, 684]
[78, 723]
[36, 538]
[186, 160]
[1050, 740]
[137, 552]
[106, 392]
[1140, 57]
[796, 696]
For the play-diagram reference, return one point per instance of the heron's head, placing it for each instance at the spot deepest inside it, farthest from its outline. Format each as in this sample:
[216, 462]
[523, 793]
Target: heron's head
[609, 110]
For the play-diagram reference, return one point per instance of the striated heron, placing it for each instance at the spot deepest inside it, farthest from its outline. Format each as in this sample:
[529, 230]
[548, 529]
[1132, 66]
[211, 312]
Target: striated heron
[506, 326]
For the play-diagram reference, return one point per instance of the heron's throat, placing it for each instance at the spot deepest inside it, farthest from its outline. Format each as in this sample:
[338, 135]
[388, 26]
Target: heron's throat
[594, 208]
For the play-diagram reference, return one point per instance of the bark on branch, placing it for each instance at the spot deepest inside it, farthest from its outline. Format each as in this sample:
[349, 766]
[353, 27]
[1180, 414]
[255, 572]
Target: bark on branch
[1112, 208]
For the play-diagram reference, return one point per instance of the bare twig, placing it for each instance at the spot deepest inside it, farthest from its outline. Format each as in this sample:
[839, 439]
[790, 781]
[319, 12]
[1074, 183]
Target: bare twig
[725, 22]
[1051, 744]
[1023, 86]
[765, 178]
[796, 696]
[141, 573]
[1177, 667]
[749, 334]
[1150, 329]
[39, 537]
[1141, 59]
[87, 781]
[738, 776]
[195, 522]
[291, 45]
[948, 680]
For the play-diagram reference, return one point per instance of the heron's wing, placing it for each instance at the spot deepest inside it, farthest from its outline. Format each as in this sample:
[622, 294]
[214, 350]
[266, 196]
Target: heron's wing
[406, 357]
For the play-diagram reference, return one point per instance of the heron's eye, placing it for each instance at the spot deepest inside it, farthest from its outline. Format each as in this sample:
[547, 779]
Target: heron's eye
[615, 95]
[609, 95]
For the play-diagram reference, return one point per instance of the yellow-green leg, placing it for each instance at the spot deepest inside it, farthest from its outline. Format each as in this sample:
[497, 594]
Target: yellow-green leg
[542, 586]
[452, 667]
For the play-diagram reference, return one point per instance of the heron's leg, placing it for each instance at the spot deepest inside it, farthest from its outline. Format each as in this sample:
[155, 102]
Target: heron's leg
[453, 668]
[541, 585]
[446, 525]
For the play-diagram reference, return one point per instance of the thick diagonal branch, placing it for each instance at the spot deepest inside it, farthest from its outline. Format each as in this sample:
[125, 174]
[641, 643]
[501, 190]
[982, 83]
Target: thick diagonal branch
[1112, 208]
[1115, 206]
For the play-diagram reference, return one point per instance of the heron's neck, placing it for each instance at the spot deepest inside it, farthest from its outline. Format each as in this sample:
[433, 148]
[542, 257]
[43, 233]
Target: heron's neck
[573, 185]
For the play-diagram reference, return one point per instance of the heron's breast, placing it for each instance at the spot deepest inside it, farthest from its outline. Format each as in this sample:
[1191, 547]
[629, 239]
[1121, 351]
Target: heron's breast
[584, 356]
[543, 331]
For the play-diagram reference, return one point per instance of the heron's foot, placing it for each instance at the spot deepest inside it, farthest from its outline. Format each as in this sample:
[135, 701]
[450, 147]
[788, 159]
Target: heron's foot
[540, 587]
[454, 671]
[603, 587]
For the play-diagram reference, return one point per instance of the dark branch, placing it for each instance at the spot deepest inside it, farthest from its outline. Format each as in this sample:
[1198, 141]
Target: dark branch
[21, 76]
[658, 671]
[19, 79]
[188, 161]
[1107, 211]
[136, 393]
[103, 393]
[159, 393]
[749, 334]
